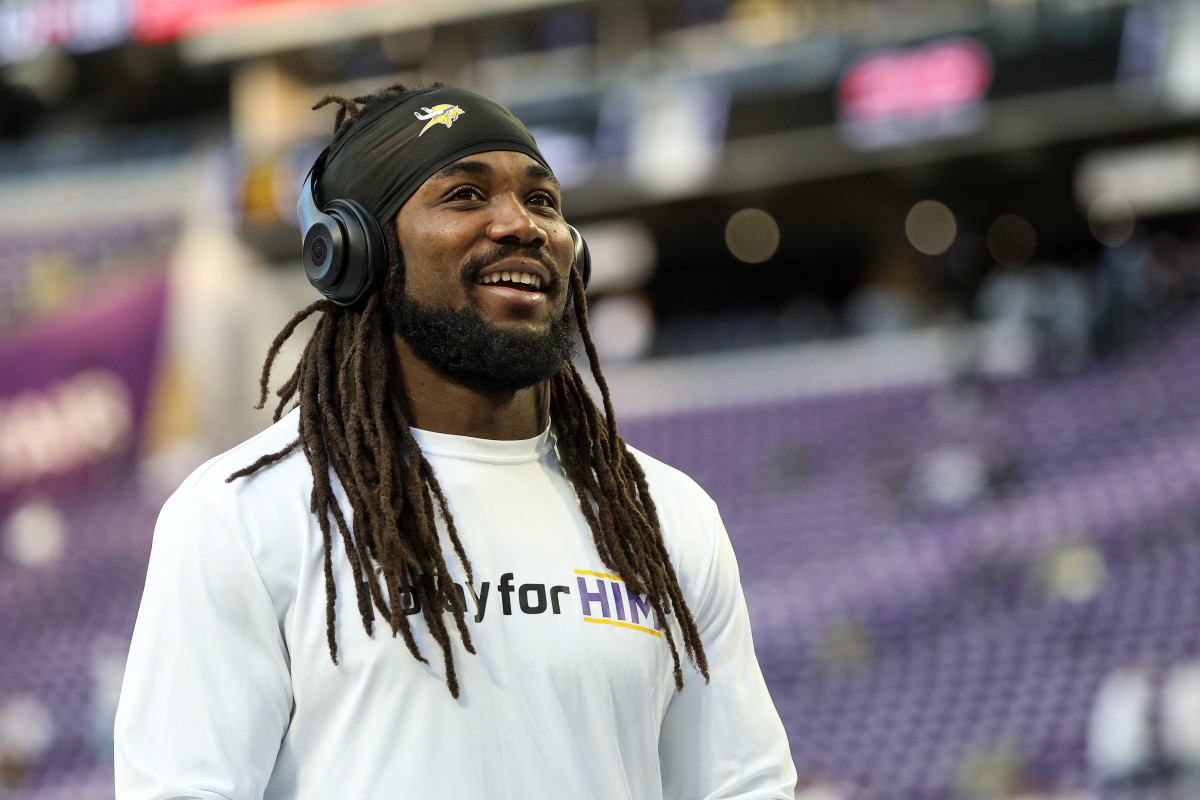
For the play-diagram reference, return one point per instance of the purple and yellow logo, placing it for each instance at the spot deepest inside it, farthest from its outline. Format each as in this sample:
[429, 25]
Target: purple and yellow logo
[612, 603]
[443, 114]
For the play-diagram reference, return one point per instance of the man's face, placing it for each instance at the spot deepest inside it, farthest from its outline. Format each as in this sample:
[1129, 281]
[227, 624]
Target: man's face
[487, 257]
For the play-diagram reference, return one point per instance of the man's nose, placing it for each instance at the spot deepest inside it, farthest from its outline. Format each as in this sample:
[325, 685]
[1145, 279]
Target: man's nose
[514, 224]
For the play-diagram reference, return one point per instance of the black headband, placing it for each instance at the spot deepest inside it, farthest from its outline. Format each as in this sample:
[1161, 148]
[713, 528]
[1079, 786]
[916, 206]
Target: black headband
[391, 151]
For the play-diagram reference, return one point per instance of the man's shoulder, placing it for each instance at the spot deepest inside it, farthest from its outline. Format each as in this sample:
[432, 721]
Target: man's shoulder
[211, 479]
[256, 528]
[685, 510]
[672, 488]
[691, 527]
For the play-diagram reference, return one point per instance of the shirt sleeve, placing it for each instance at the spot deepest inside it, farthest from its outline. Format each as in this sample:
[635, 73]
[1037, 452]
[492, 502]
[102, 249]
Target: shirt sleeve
[725, 739]
[206, 696]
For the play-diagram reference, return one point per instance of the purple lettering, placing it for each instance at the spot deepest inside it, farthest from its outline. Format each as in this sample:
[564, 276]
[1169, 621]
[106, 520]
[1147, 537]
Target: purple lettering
[635, 603]
[618, 600]
[586, 598]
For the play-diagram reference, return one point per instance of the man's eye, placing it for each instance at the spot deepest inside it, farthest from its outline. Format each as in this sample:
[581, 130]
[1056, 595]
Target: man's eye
[543, 199]
[465, 193]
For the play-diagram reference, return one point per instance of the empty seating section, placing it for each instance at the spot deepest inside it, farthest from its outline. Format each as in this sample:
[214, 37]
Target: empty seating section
[59, 621]
[904, 641]
[84, 249]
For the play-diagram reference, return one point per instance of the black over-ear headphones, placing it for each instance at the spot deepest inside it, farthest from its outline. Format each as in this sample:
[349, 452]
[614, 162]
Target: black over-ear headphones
[344, 253]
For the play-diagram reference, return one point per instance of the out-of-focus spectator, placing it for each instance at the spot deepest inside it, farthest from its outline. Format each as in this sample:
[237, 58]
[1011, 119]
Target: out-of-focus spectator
[1145, 725]
[26, 732]
[1055, 302]
[949, 477]
[1128, 294]
[818, 788]
[1120, 742]
[893, 297]
[1181, 716]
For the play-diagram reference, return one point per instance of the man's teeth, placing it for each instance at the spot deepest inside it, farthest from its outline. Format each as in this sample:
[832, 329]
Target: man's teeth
[513, 277]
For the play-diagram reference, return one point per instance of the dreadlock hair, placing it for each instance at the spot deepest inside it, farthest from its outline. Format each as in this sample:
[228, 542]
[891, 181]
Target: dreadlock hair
[358, 427]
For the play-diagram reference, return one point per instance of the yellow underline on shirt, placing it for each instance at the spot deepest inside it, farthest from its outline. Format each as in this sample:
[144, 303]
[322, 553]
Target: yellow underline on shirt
[622, 624]
[598, 574]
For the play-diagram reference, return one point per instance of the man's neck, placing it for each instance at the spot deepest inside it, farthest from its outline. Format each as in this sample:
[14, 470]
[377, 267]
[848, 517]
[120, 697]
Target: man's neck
[438, 403]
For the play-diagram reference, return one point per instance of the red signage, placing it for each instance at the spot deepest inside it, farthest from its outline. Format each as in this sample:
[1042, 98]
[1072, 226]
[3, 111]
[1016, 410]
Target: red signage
[895, 95]
[165, 20]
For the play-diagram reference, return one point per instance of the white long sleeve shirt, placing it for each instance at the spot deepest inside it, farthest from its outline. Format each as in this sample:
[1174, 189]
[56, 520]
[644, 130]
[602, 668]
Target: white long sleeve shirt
[230, 691]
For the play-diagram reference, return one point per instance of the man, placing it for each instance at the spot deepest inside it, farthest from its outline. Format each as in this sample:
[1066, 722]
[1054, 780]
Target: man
[444, 472]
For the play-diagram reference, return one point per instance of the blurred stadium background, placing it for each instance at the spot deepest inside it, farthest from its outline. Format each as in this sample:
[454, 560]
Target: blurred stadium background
[908, 285]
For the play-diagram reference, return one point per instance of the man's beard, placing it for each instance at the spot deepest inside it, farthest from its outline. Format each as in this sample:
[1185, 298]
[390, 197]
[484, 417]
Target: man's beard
[466, 348]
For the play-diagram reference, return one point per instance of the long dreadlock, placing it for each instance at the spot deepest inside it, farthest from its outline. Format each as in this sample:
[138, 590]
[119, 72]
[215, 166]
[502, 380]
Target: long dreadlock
[358, 427]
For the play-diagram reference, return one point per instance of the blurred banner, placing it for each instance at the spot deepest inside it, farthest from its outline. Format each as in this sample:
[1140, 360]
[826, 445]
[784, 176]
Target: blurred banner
[74, 390]
[164, 20]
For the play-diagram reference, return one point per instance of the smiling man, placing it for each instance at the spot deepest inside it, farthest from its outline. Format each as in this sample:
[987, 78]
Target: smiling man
[543, 612]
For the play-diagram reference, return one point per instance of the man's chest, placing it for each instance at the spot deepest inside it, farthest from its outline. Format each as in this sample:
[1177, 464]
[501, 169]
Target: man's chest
[548, 621]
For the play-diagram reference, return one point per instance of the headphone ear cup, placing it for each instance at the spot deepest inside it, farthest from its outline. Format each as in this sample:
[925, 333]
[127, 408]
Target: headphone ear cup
[324, 244]
[583, 259]
[364, 254]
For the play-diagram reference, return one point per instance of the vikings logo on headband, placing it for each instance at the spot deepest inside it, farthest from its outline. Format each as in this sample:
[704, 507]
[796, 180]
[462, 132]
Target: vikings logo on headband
[368, 174]
[445, 114]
